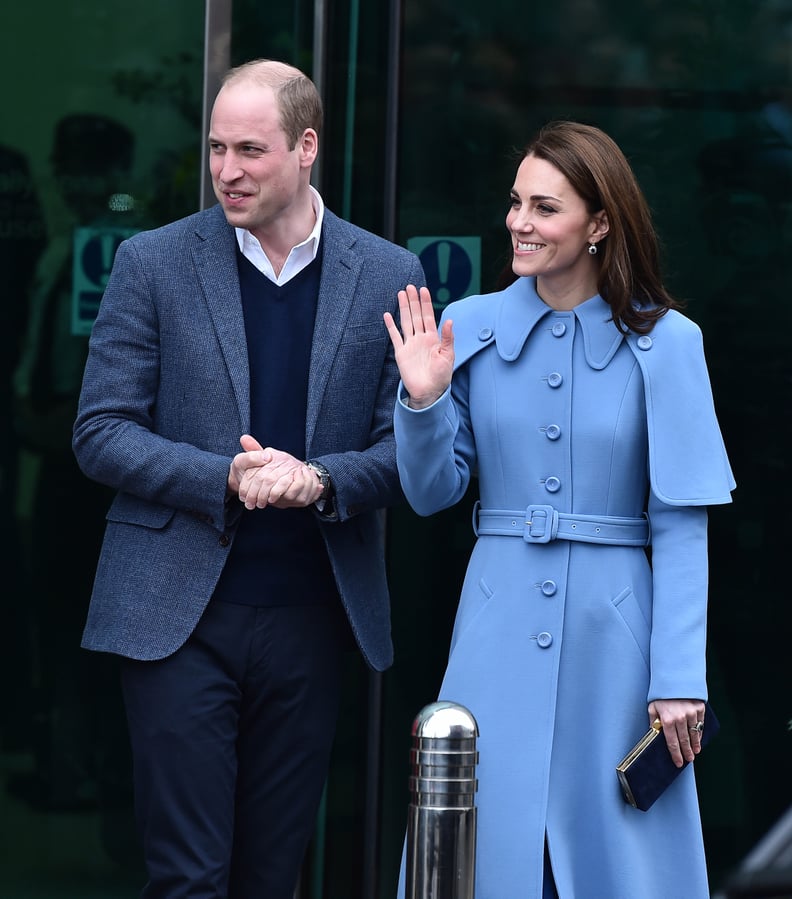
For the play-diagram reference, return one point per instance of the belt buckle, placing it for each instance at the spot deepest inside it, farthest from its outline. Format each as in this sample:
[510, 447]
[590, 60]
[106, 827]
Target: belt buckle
[541, 524]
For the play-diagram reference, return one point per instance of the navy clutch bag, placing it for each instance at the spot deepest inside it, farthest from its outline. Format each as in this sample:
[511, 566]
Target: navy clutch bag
[647, 769]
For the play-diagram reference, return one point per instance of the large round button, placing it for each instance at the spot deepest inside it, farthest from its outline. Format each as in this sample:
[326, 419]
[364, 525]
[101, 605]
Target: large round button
[544, 639]
[485, 333]
[225, 540]
[552, 432]
[552, 484]
[644, 342]
[549, 587]
[555, 379]
[558, 329]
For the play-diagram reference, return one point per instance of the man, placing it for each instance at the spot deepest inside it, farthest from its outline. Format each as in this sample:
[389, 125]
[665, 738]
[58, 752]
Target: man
[230, 581]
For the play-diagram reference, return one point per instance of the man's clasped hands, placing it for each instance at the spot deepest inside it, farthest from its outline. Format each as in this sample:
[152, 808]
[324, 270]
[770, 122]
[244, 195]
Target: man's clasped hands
[263, 476]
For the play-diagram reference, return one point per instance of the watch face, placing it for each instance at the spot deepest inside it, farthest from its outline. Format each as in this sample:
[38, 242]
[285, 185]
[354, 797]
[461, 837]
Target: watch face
[323, 474]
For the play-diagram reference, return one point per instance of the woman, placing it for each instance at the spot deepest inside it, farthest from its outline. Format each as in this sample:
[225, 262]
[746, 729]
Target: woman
[579, 398]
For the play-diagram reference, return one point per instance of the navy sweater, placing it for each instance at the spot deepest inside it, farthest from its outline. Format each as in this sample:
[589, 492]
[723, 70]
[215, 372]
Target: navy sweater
[278, 556]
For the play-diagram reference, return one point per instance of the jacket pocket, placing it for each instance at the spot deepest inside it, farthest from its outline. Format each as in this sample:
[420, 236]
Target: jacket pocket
[471, 607]
[128, 509]
[629, 610]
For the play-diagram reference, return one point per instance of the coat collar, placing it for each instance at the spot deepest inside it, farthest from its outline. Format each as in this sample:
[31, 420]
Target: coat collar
[521, 309]
[341, 268]
[214, 256]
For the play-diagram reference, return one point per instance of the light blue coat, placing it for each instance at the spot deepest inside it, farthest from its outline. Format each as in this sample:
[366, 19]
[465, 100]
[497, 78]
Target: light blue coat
[558, 647]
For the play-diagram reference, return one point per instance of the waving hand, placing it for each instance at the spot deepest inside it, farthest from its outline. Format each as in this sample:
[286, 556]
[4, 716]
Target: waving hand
[425, 359]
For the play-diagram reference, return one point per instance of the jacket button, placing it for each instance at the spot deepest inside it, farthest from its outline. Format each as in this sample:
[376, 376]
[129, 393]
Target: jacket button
[552, 484]
[549, 587]
[552, 432]
[544, 639]
[644, 342]
[224, 540]
[559, 329]
[485, 333]
[555, 379]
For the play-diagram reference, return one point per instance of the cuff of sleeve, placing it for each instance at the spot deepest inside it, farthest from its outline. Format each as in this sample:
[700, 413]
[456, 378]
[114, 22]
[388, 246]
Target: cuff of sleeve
[403, 398]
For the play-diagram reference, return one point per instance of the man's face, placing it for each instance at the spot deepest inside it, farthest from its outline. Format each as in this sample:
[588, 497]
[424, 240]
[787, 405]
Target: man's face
[257, 179]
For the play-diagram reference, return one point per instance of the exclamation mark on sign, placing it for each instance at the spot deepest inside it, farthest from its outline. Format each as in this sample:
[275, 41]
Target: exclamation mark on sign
[442, 292]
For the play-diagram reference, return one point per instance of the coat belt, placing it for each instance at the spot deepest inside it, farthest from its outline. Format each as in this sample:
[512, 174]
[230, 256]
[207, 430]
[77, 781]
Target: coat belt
[541, 524]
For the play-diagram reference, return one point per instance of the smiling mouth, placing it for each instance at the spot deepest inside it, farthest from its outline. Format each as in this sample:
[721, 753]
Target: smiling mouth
[529, 247]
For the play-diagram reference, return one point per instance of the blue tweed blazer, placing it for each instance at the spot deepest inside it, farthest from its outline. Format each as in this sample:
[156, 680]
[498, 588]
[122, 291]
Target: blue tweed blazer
[166, 396]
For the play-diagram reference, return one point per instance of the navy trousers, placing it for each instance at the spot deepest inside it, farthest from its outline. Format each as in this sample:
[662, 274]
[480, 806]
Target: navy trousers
[231, 739]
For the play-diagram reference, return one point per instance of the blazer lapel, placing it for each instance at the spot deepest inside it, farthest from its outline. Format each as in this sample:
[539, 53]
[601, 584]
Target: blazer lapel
[340, 273]
[214, 255]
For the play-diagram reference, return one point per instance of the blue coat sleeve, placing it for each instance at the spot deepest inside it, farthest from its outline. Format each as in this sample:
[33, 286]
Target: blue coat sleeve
[435, 447]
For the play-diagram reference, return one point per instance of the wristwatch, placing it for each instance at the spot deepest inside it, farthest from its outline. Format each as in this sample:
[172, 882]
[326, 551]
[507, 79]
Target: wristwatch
[324, 479]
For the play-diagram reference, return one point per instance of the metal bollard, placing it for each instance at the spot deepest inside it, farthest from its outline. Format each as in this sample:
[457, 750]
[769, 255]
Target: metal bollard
[441, 822]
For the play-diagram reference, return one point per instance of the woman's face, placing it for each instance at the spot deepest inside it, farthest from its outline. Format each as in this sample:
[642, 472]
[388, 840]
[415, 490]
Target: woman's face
[552, 229]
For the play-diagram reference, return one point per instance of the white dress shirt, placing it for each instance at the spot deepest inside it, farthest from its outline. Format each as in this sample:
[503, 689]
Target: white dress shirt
[299, 257]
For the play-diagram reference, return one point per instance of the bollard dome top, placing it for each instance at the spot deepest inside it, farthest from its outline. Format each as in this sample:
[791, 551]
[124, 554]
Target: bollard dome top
[445, 720]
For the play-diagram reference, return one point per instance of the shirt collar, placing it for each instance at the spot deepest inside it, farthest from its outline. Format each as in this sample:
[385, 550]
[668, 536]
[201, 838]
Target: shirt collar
[300, 256]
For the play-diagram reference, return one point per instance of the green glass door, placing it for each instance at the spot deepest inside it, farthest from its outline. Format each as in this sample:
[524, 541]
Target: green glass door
[99, 137]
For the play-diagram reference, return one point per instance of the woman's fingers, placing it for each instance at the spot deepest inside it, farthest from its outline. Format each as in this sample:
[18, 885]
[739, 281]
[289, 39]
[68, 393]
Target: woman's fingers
[415, 312]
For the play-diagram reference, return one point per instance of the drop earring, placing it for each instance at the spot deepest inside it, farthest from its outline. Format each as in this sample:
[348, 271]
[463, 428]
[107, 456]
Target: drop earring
[592, 249]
